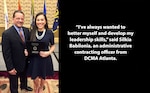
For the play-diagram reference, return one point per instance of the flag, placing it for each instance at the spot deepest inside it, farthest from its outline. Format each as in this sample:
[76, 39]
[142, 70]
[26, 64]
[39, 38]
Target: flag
[44, 9]
[6, 15]
[56, 20]
[19, 5]
[32, 15]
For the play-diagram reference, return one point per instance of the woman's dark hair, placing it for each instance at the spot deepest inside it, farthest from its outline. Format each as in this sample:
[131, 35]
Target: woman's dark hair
[33, 31]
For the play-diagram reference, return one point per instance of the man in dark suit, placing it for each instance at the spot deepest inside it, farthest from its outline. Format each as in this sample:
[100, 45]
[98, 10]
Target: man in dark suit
[13, 52]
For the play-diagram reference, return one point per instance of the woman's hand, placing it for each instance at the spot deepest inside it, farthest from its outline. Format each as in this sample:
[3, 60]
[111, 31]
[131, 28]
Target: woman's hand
[47, 53]
[44, 53]
[26, 52]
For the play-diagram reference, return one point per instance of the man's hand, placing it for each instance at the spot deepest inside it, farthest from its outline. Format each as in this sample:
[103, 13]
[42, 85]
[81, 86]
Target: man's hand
[12, 72]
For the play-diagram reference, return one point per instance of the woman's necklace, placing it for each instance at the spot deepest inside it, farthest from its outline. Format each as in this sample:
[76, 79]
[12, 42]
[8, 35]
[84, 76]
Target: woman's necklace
[41, 36]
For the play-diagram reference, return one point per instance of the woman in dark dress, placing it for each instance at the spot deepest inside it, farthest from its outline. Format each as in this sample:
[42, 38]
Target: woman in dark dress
[41, 64]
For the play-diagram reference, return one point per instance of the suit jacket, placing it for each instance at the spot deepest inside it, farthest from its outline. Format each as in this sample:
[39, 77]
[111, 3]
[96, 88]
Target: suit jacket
[13, 49]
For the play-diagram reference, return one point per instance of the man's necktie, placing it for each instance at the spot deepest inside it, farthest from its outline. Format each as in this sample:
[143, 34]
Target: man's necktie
[21, 35]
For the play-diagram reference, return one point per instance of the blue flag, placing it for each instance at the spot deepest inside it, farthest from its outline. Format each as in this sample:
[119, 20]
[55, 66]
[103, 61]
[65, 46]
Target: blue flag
[56, 20]
[44, 9]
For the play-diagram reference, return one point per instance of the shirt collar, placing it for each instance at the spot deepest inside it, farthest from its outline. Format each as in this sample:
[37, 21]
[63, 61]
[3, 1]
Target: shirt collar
[17, 28]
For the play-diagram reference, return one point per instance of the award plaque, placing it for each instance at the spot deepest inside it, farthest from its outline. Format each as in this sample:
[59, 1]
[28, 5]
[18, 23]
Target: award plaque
[35, 47]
